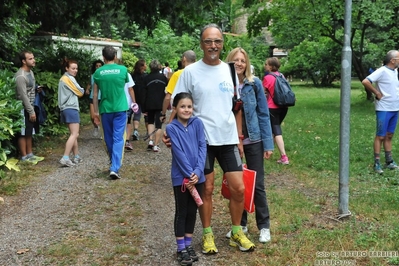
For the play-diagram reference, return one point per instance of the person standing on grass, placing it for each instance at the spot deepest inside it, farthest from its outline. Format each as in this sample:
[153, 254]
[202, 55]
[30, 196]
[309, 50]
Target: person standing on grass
[210, 83]
[69, 92]
[26, 90]
[386, 91]
[256, 136]
[188, 161]
[277, 113]
[111, 79]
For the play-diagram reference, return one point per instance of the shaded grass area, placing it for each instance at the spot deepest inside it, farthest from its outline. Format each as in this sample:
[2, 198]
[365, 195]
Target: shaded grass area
[303, 199]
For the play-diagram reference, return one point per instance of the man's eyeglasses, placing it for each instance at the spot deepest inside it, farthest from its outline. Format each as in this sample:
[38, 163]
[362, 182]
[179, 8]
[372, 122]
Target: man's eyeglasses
[217, 42]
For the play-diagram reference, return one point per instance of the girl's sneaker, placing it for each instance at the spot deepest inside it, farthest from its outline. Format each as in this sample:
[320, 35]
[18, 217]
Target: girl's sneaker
[184, 258]
[283, 160]
[191, 252]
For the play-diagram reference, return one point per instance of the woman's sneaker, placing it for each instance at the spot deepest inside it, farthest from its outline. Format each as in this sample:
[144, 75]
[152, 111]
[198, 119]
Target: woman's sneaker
[184, 258]
[66, 162]
[283, 160]
[191, 252]
[156, 148]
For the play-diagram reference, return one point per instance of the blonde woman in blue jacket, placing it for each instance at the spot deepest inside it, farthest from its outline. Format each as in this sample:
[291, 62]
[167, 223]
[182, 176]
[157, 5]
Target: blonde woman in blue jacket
[256, 137]
[188, 161]
[69, 92]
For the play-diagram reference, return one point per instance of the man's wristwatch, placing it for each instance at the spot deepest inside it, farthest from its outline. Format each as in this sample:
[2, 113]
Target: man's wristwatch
[162, 114]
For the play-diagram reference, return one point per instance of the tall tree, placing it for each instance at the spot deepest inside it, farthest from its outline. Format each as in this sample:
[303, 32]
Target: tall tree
[374, 27]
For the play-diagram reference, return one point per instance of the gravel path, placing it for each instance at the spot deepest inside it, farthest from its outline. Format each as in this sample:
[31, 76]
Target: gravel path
[42, 213]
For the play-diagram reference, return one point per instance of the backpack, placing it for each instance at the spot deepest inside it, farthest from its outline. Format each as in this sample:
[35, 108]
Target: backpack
[283, 94]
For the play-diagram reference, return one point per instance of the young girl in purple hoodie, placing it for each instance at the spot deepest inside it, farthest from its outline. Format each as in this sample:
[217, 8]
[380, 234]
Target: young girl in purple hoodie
[188, 161]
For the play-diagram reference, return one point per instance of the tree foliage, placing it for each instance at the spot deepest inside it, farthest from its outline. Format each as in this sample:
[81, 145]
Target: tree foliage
[373, 23]
[77, 17]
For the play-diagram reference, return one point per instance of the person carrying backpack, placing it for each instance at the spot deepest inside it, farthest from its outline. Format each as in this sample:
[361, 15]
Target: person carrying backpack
[277, 112]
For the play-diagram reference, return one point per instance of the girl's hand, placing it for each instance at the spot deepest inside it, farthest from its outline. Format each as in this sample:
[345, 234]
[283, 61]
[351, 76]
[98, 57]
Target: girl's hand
[193, 179]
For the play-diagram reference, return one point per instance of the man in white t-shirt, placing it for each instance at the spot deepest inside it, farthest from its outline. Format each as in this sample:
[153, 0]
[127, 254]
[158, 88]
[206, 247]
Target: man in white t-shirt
[386, 93]
[210, 83]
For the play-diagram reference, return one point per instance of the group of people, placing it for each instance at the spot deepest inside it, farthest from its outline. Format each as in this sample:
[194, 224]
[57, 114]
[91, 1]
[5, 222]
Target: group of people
[202, 102]
[203, 127]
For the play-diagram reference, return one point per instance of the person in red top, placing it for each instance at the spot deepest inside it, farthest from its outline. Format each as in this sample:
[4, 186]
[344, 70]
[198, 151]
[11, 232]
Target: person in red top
[277, 113]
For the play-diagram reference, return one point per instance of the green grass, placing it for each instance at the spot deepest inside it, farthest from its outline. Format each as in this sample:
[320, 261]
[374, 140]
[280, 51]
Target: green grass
[304, 207]
[303, 196]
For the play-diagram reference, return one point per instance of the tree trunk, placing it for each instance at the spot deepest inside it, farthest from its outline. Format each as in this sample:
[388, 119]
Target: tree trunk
[361, 73]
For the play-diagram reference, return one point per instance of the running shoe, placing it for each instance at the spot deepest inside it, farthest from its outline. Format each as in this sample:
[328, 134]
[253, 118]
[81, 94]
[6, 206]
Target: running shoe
[156, 148]
[378, 169]
[184, 258]
[283, 160]
[208, 244]
[113, 175]
[191, 252]
[264, 235]
[37, 158]
[392, 165]
[244, 229]
[128, 146]
[241, 241]
[77, 160]
[136, 135]
[150, 145]
[66, 162]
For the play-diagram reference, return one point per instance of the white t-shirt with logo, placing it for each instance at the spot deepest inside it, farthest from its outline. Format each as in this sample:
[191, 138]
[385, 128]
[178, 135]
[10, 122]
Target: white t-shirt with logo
[212, 90]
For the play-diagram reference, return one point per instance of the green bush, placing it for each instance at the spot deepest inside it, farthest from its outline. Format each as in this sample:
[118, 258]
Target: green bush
[10, 120]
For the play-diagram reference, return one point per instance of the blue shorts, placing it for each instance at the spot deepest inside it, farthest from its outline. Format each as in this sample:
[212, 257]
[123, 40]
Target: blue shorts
[70, 116]
[227, 155]
[386, 122]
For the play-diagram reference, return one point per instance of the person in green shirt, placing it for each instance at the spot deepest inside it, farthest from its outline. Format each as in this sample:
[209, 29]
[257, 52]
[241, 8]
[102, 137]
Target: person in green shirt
[110, 79]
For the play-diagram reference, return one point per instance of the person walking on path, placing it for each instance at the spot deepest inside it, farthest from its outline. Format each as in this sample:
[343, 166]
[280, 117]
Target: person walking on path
[153, 95]
[277, 113]
[89, 90]
[386, 91]
[210, 83]
[256, 136]
[188, 58]
[188, 161]
[69, 92]
[111, 79]
[26, 90]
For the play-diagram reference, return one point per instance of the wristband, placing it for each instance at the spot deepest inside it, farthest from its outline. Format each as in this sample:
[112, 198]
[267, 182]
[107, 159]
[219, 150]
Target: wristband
[241, 137]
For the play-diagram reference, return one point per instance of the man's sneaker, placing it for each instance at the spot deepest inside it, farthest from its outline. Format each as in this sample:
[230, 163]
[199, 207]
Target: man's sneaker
[136, 135]
[283, 160]
[244, 229]
[184, 258]
[113, 175]
[156, 148]
[241, 241]
[77, 160]
[191, 252]
[392, 165]
[128, 146]
[208, 244]
[96, 132]
[66, 162]
[150, 145]
[264, 235]
[378, 169]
